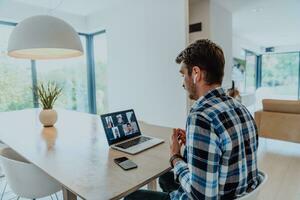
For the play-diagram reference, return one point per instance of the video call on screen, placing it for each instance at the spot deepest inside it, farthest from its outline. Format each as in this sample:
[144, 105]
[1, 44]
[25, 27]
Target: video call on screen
[120, 125]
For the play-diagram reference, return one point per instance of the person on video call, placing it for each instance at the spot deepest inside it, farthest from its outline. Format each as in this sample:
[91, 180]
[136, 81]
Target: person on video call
[116, 133]
[120, 119]
[109, 122]
[129, 129]
[220, 140]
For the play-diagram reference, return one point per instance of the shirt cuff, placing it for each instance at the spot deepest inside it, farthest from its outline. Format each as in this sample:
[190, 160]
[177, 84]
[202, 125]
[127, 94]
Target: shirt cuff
[179, 167]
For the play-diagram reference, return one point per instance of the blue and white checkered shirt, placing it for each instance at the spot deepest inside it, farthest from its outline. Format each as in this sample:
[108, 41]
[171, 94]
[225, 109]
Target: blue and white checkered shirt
[221, 147]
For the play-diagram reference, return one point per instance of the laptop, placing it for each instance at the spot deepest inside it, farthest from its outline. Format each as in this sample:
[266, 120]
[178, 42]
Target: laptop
[123, 132]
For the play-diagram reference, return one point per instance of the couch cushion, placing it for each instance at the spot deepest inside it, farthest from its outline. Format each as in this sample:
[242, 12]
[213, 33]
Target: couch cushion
[281, 126]
[284, 106]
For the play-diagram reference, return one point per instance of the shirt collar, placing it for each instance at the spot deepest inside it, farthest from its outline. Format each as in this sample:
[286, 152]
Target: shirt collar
[216, 92]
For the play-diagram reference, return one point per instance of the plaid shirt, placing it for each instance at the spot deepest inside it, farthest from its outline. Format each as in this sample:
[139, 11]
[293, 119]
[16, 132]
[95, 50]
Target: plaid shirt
[221, 148]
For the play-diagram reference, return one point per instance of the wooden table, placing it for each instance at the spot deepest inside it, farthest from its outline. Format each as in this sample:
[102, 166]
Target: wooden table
[75, 153]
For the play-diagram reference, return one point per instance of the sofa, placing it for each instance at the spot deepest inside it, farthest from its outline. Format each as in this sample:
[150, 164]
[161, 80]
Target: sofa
[279, 119]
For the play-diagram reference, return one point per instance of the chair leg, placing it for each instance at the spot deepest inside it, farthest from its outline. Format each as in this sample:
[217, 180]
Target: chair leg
[56, 196]
[18, 198]
[51, 197]
[1, 173]
[3, 191]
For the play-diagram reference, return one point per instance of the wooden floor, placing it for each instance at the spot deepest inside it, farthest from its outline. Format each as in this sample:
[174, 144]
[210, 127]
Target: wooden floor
[280, 160]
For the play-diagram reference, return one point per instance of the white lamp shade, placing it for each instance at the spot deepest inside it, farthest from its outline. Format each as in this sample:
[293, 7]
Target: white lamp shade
[44, 37]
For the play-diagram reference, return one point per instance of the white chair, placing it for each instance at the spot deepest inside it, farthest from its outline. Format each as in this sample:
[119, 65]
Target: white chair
[25, 179]
[253, 195]
[2, 146]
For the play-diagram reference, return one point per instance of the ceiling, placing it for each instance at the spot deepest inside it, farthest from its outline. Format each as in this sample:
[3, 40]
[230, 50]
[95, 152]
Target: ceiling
[78, 7]
[266, 22]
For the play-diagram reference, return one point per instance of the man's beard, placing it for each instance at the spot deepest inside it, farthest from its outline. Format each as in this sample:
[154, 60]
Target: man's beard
[192, 92]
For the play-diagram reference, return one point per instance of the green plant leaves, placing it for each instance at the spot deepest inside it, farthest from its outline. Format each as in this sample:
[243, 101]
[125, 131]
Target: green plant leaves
[47, 94]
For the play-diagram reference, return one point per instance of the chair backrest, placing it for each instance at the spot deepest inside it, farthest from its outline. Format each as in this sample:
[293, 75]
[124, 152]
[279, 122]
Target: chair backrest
[282, 106]
[253, 195]
[25, 179]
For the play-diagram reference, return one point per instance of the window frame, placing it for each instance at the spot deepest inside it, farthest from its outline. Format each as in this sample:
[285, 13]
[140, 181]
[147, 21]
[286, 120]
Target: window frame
[248, 52]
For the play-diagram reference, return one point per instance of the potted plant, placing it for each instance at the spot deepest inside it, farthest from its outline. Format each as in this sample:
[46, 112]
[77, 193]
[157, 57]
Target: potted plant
[47, 95]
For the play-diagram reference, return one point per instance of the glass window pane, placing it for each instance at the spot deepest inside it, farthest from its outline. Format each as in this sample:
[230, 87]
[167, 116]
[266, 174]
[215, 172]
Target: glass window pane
[100, 55]
[238, 74]
[250, 73]
[15, 77]
[71, 75]
[244, 73]
[280, 75]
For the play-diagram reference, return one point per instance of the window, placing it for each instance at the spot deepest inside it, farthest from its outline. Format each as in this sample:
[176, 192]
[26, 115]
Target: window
[15, 77]
[250, 79]
[280, 75]
[238, 73]
[71, 75]
[100, 57]
[244, 73]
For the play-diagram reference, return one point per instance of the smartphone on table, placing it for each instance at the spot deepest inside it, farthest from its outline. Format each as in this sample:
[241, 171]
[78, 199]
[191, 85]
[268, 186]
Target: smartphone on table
[125, 163]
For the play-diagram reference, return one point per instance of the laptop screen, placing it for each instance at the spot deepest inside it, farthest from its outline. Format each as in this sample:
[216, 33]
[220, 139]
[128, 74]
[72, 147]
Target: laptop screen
[119, 126]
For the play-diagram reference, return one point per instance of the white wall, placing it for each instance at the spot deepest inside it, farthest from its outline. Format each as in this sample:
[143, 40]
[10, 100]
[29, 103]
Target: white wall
[287, 48]
[23, 11]
[240, 44]
[144, 37]
[221, 33]
[199, 12]
[216, 26]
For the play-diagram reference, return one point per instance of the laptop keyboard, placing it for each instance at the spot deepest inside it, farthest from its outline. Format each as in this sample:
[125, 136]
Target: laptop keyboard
[134, 142]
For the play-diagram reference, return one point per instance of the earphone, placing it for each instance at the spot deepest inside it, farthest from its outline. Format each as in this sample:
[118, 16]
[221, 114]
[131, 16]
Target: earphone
[194, 80]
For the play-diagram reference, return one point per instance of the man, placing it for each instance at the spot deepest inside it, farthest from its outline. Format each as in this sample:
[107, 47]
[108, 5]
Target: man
[221, 135]
[109, 122]
[129, 129]
[116, 133]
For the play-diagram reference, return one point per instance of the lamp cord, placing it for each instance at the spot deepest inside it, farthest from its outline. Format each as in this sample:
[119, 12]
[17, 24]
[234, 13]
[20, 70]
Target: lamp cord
[53, 9]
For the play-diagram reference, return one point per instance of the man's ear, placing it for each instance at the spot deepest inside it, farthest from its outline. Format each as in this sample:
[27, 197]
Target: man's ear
[195, 78]
[196, 74]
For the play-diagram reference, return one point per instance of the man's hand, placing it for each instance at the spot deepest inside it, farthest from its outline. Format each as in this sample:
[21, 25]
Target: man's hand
[176, 142]
[181, 135]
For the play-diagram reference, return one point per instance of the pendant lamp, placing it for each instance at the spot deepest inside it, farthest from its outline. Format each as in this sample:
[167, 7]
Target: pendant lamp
[44, 37]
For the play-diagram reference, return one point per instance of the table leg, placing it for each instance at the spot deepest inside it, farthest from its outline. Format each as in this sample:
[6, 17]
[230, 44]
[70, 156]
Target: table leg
[152, 185]
[68, 195]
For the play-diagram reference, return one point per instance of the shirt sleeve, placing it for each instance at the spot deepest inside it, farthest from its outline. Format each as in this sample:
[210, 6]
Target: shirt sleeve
[199, 176]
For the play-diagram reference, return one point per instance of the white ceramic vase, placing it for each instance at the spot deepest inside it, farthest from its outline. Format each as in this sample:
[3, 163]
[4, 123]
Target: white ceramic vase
[48, 117]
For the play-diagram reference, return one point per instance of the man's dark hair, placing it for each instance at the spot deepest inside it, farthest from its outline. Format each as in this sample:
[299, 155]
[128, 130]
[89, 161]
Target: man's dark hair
[207, 56]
